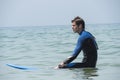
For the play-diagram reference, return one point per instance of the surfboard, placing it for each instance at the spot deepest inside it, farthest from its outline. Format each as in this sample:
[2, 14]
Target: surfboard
[20, 67]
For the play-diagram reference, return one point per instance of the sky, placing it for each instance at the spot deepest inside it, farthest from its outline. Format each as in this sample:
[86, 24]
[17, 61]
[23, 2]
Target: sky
[57, 12]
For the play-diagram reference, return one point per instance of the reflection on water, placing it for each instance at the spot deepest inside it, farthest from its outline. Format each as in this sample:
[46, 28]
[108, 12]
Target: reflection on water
[85, 73]
[89, 73]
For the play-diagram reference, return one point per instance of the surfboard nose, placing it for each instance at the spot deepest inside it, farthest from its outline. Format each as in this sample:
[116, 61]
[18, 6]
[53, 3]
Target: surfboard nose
[20, 67]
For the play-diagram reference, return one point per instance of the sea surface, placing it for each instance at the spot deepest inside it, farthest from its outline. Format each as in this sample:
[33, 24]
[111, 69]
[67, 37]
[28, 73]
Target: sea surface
[44, 47]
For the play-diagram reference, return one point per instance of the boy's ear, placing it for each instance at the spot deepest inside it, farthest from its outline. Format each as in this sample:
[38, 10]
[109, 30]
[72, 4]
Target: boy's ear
[80, 26]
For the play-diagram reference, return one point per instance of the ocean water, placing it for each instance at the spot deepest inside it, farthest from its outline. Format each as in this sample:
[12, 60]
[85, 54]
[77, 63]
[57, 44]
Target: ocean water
[44, 47]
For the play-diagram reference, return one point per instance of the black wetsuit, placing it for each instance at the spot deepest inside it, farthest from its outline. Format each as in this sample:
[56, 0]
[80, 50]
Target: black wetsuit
[86, 42]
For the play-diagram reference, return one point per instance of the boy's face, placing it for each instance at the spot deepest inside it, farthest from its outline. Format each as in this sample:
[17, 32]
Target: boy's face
[76, 28]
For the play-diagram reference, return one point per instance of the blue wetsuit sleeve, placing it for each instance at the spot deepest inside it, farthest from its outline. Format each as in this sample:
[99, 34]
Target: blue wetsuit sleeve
[75, 52]
[78, 47]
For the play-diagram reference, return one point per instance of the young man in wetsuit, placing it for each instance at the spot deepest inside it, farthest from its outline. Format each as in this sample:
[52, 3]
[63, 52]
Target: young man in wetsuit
[86, 42]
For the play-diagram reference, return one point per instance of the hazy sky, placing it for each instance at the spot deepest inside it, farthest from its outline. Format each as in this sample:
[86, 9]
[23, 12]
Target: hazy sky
[57, 12]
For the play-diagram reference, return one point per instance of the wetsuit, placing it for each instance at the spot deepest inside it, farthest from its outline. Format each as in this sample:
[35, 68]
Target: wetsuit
[86, 42]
